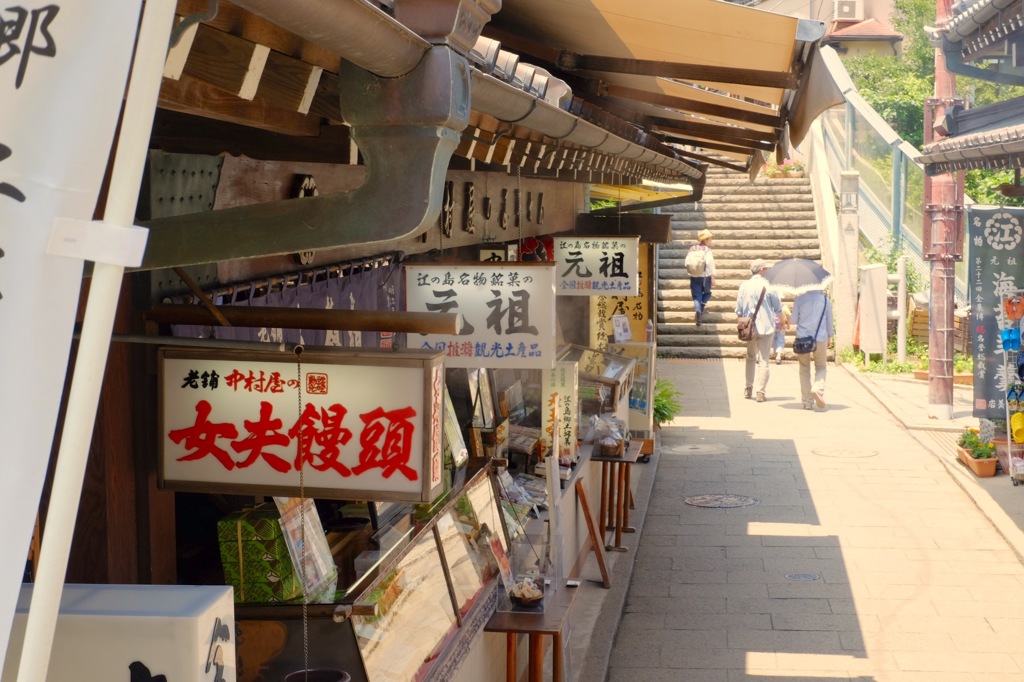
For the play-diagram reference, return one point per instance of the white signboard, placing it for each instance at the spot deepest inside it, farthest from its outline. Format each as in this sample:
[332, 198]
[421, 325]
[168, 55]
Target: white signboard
[63, 70]
[560, 408]
[174, 633]
[508, 312]
[597, 266]
[370, 423]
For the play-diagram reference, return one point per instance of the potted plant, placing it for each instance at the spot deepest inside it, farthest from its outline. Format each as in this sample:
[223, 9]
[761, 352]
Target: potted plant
[979, 457]
[666, 403]
[791, 168]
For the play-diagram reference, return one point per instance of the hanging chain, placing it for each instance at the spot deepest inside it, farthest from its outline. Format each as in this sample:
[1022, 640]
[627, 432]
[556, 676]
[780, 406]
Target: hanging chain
[302, 521]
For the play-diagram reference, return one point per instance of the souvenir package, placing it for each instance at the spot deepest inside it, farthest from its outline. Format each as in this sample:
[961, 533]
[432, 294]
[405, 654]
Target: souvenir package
[320, 573]
[609, 436]
[255, 557]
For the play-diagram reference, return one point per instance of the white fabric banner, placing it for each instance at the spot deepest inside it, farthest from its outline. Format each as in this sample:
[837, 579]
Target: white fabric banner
[63, 70]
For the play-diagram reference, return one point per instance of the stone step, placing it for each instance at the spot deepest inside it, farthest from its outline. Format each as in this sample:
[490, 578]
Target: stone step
[785, 240]
[730, 221]
[701, 353]
[739, 257]
[739, 218]
[770, 219]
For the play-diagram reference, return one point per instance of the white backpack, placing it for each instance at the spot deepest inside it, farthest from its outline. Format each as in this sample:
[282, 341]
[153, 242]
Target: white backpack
[695, 263]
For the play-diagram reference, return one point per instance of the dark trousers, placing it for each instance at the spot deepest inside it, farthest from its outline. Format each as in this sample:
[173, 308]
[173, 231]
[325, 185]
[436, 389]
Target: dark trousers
[700, 289]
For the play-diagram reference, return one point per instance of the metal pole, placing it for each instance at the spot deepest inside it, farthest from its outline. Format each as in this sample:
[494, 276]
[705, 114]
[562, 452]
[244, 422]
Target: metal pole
[896, 207]
[104, 290]
[901, 309]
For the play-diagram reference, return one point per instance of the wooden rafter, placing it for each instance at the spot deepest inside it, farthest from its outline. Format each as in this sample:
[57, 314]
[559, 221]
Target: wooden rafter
[689, 72]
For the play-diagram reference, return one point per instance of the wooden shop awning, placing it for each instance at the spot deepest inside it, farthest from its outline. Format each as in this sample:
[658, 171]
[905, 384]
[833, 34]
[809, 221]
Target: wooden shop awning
[719, 81]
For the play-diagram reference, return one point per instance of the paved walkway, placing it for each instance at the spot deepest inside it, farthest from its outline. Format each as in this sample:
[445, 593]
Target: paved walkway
[864, 551]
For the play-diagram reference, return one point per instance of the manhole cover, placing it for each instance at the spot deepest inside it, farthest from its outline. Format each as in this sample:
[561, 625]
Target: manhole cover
[802, 577]
[720, 501]
[697, 449]
[848, 453]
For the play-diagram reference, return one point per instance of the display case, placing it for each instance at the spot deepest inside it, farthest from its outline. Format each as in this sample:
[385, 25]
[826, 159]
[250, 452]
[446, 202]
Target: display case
[430, 583]
[605, 379]
[641, 395]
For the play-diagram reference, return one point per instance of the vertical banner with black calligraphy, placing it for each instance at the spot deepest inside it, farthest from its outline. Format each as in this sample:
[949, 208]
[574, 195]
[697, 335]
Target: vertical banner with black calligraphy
[995, 270]
[63, 70]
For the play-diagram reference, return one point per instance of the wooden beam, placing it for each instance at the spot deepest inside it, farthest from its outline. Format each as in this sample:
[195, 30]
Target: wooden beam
[230, 63]
[763, 145]
[309, 318]
[690, 72]
[176, 132]
[244, 24]
[716, 161]
[192, 96]
[289, 83]
[653, 228]
[745, 151]
[695, 106]
[721, 133]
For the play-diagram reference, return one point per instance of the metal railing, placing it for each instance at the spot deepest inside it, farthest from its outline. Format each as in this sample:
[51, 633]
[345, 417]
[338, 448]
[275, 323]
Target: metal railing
[891, 195]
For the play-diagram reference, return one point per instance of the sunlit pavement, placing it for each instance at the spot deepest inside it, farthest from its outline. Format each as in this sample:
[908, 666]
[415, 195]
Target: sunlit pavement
[777, 543]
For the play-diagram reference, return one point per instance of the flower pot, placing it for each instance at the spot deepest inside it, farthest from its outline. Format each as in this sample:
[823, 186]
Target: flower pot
[982, 468]
[963, 455]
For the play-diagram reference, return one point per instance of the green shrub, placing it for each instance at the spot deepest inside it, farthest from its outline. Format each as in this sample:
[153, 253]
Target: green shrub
[666, 403]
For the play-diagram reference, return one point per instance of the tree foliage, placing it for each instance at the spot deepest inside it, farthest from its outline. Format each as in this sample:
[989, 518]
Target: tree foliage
[896, 86]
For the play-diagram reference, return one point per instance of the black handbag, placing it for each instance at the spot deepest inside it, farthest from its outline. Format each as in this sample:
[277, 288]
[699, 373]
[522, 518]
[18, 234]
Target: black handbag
[806, 344]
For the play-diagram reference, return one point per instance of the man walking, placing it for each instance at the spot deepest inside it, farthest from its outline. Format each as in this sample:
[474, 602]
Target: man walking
[757, 294]
[812, 315]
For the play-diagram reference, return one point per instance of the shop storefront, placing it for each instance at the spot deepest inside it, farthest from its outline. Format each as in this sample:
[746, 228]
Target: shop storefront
[378, 359]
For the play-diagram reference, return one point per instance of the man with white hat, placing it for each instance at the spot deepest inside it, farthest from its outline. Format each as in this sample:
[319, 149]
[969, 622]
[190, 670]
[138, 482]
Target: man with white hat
[758, 299]
[700, 265]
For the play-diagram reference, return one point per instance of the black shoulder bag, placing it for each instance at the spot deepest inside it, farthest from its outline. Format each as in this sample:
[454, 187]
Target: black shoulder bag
[807, 344]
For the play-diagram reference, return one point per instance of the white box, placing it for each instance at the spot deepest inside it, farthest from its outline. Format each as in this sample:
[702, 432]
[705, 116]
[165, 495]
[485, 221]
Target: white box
[109, 632]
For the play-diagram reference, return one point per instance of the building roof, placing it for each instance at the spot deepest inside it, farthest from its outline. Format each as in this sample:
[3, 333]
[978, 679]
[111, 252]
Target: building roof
[989, 137]
[868, 30]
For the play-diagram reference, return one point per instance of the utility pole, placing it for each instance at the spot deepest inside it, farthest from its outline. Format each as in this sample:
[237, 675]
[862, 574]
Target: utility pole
[943, 240]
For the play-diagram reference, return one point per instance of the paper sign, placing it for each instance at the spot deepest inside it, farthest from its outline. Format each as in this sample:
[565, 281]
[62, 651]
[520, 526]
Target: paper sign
[508, 312]
[597, 266]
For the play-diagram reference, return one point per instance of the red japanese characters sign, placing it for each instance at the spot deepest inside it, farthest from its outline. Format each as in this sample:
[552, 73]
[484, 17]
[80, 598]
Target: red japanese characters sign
[359, 425]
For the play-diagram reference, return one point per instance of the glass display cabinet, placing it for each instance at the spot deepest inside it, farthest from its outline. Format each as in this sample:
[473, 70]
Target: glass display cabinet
[641, 395]
[430, 583]
[605, 379]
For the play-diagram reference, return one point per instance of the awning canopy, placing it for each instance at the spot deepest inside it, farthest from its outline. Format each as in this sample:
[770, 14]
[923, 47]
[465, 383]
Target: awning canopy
[719, 81]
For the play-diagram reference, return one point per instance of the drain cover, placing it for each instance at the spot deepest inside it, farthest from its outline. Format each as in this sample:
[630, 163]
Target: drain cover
[697, 449]
[720, 501]
[849, 453]
[803, 577]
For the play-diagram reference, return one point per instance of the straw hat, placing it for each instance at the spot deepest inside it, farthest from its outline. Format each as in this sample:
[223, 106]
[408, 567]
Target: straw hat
[704, 235]
[757, 265]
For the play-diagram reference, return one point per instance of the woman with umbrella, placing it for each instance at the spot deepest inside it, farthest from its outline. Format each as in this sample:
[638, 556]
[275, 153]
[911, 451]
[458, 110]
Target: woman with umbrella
[812, 316]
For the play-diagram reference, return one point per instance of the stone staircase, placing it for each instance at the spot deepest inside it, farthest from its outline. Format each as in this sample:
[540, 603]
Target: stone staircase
[770, 218]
